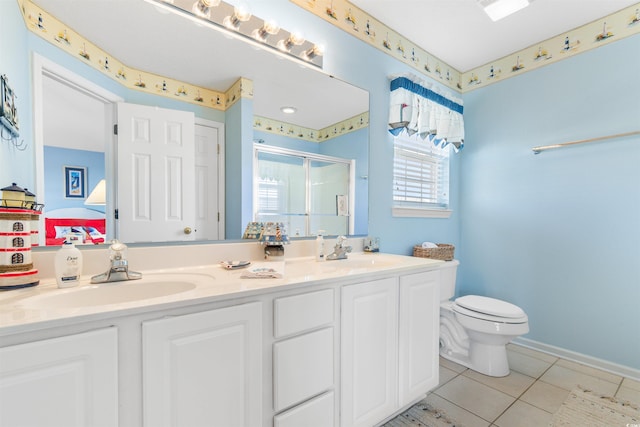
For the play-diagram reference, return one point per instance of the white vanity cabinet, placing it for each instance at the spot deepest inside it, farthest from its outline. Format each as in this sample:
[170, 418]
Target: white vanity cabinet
[389, 345]
[204, 368]
[329, 345]
[303, 361]
[67, 381]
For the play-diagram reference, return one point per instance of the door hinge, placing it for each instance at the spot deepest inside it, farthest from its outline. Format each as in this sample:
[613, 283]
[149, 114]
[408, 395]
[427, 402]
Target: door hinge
[115, 213]
[218, 145]
[115, 129]
[218, 216]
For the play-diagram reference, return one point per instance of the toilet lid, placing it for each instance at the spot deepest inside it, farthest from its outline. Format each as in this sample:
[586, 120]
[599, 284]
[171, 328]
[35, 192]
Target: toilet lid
[490, 306]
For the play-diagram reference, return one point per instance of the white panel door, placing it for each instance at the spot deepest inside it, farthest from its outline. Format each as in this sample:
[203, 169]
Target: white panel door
[155, 173]
[419, 334]
[66, 382]
[369, 352]
[204, 369]
[209, 140]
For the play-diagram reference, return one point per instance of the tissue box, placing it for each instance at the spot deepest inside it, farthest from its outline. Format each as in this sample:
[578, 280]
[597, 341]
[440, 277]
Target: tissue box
[443, 252]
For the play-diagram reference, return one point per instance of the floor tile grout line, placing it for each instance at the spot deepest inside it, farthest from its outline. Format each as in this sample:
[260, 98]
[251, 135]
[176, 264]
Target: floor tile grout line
[458, 406]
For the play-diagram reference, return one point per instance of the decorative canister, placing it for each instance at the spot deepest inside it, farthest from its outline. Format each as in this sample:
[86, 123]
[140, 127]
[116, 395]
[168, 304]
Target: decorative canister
[16, 239]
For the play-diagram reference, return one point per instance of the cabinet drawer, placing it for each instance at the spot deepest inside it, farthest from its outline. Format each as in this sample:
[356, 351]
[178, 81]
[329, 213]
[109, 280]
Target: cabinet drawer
[302, 368]
[318, 412]
[299, 313]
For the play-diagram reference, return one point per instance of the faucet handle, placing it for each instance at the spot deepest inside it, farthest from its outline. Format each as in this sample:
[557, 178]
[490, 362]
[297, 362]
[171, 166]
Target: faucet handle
[117, 250]
[341, 240]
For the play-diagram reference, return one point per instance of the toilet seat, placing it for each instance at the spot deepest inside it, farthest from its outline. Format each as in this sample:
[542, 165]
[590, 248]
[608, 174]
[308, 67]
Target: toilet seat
[490, 309]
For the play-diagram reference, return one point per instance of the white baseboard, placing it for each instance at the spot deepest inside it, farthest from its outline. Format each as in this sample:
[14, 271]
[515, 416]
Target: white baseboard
[594, 362]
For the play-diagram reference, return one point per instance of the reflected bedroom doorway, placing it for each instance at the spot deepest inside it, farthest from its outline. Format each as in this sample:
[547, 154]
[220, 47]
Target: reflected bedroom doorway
[73, 139]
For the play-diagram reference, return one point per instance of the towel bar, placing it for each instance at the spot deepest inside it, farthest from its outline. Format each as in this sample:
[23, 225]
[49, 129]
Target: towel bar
[538, 150]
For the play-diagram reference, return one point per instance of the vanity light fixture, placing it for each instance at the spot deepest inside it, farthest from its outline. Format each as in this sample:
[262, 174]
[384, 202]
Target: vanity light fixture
[288, 110]
[239, 22]
[294, 39]
[269, 28]
[241, 14]
[202, 8]
[316, 50]
[498, 9]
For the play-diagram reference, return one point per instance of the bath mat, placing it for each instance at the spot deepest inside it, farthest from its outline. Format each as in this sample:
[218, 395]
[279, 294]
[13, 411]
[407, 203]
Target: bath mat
[422, 415]
[587, 408]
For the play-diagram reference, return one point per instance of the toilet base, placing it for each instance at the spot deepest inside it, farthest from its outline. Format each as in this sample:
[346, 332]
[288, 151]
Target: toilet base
[486, 354]
[486, 359]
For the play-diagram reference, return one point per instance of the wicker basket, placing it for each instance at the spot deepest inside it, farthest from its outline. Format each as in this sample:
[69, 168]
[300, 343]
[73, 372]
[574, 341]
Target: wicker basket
[443, 252]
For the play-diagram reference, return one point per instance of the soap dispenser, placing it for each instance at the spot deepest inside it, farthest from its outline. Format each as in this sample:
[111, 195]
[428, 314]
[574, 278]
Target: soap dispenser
[320, 246]
[68, 265]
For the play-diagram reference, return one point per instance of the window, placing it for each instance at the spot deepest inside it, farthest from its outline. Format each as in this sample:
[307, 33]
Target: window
[420, 178]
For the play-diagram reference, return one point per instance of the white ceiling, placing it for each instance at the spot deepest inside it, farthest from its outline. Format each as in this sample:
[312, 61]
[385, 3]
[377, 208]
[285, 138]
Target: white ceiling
[459, 33]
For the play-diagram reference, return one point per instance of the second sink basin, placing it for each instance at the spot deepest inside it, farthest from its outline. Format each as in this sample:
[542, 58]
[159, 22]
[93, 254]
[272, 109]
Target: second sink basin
[149, 287]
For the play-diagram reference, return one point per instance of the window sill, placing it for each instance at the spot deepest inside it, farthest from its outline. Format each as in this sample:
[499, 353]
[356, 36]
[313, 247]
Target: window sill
[420, 213]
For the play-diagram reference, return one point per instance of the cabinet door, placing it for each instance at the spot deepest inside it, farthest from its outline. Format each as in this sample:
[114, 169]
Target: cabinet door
[369, 351]
[419, 334]
[67, 381]
[204, 369]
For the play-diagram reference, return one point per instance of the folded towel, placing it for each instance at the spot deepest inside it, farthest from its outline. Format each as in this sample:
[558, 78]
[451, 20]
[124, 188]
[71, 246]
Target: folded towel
[429, 245]
[264, 270]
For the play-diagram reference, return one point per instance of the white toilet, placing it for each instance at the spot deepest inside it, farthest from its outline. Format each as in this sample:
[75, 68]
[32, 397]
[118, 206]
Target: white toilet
[475, 330]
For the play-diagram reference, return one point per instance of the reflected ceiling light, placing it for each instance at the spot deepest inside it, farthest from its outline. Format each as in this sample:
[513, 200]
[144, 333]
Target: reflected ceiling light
[202, 8]
[288, 110]
[316, 50]
[270, 28]
[241, 14]
[498, 9]
[294, 39]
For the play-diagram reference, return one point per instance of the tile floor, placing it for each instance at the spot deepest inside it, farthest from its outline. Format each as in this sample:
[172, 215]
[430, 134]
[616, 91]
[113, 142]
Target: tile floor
[529, 396]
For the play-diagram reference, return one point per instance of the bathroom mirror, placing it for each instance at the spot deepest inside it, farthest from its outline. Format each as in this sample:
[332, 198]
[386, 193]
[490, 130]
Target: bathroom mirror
[135, 33]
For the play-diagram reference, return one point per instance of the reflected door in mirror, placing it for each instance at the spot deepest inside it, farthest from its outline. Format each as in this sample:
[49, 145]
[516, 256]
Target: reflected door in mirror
[156, 181]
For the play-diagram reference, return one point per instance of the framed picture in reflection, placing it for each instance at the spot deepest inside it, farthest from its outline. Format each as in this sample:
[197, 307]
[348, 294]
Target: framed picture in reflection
[75, 182]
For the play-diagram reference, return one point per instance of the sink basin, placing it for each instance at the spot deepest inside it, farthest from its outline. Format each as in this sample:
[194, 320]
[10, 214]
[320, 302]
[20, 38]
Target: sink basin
[354, 264]
[149, 287]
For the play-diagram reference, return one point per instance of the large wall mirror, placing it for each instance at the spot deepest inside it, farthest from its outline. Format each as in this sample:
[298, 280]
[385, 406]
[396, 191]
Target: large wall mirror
[76, 125]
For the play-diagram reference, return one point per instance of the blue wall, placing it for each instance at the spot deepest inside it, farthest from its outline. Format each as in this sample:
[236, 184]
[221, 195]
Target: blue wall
[57, 158]
[558, 233]
[14, 62]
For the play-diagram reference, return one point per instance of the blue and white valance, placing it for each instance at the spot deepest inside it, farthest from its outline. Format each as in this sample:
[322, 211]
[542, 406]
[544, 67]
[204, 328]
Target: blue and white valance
[431, 115]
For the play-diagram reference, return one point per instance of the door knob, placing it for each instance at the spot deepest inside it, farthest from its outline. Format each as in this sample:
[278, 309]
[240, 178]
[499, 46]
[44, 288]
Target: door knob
[187, 230]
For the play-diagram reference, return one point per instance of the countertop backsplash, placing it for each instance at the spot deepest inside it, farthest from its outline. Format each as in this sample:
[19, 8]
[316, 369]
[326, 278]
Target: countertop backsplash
[96, 260]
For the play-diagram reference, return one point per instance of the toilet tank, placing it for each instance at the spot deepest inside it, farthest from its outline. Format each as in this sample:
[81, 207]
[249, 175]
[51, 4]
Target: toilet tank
[448, 279]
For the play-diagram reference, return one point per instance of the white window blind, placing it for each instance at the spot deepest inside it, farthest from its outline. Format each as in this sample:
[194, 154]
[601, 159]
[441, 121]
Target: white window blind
[420, 174]
[269, 196]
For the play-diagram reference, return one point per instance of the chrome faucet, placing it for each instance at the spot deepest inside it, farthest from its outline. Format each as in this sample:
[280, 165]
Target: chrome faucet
[339, 250]
[119, 269]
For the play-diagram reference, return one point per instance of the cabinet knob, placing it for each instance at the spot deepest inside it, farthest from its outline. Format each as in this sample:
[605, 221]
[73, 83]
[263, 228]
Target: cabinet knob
[187, 230]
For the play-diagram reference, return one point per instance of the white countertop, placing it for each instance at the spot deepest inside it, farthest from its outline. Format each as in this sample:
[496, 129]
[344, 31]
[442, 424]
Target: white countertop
[28, 309]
